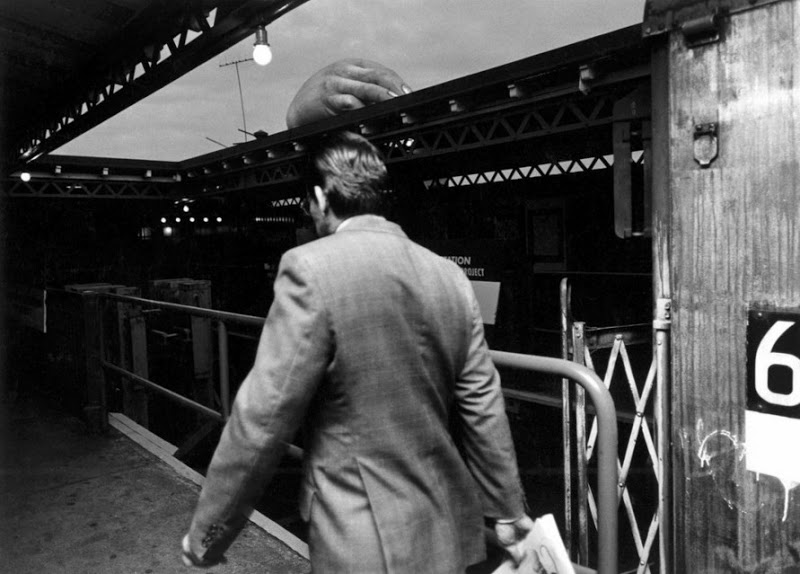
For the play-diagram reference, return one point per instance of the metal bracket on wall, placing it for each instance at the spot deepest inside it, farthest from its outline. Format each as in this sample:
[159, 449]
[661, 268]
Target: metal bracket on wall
[703, 30]
[706, 143]
[663, 320]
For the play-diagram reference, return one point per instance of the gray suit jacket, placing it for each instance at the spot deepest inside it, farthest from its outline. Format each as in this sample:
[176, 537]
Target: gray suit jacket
[377, 343]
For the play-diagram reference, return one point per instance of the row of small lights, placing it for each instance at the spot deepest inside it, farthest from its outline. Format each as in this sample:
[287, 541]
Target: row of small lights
[191, 220]
[186, 209]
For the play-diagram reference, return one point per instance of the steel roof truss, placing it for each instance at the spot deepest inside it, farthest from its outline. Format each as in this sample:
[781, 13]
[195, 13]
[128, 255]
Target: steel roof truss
[128, 79]
[90, 189]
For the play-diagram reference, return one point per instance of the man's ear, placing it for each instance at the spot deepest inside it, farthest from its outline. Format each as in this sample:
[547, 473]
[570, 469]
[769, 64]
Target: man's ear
[322, 198]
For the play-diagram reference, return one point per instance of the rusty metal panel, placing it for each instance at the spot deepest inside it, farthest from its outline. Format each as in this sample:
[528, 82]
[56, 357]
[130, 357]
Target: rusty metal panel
[735, 241]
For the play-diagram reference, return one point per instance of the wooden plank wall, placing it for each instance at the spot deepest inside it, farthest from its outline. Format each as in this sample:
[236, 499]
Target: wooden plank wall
[735, 240]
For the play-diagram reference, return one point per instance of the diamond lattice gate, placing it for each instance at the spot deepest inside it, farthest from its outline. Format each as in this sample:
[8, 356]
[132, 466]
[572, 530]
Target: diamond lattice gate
[631, 360]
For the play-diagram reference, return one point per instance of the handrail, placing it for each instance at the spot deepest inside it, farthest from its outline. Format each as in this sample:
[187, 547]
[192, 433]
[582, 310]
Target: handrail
[251, 320]
[607, 499]
[601, 398]
[178, 398]
[222, 341]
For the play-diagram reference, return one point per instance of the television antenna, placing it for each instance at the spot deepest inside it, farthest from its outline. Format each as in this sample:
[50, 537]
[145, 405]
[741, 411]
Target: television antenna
[216, 142]
[241, 96]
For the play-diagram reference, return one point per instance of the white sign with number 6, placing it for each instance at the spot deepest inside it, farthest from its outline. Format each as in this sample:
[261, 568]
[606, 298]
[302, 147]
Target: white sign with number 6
[766, 358]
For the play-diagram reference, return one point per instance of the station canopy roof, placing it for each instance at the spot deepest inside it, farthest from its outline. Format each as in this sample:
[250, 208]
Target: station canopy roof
[67, 65]
[64, 70]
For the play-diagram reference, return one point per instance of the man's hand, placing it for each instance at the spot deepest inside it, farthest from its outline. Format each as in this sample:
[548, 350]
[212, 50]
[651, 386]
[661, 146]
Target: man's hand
[189, 558]
[511, 533]
[342, 86]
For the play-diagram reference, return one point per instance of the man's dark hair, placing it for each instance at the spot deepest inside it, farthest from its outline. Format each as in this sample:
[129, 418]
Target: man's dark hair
[351, 171]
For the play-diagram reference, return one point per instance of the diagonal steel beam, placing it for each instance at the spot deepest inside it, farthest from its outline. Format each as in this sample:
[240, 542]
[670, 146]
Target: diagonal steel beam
[115, 87]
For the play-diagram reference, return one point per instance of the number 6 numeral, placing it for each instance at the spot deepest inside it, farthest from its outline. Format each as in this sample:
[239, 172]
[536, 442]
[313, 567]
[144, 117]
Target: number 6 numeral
[766, 358]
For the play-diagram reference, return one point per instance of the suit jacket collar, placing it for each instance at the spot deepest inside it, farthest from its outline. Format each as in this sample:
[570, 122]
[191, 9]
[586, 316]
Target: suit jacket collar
[370, 222]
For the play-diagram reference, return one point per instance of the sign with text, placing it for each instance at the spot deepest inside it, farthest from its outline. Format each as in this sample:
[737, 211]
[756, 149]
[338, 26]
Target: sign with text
[487, 293]
[484, 262]
[481, 260]
[772, 418]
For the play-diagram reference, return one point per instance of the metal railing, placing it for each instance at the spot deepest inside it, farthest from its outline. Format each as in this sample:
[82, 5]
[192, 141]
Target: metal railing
[642, 388]
[222, 319]
[607, 496]
[607, 500]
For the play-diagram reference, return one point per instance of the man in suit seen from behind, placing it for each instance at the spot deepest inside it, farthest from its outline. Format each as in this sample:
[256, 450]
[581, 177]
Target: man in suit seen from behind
[376, 344]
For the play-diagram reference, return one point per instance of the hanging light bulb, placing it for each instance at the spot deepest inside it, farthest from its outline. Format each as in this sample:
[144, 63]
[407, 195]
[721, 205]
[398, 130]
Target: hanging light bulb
[262, 53]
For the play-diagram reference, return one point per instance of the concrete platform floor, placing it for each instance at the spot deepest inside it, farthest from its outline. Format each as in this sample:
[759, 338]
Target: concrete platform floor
[76, 502]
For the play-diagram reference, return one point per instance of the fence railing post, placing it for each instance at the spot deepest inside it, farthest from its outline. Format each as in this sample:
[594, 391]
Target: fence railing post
[663, 411]
[198, 294]
[566, 411]
[132, 336]
[607, 440]
[582, 462]
[95, 409]
[137, 396]
[224, 375]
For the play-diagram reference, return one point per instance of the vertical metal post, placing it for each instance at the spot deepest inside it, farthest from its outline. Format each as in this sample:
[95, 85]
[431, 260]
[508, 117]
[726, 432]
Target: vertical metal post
[123, 347]
[607, 441]
[224, 381]
[132, 342]
[566, 431]
[661, 207]
[95, 409]
[198, 294]
[647, 184]
[623, 210]
[578, 356]
[663, 413]
[138, 395]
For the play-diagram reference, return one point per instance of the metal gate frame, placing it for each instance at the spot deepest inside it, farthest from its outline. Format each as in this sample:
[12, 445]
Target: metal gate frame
[575, 347]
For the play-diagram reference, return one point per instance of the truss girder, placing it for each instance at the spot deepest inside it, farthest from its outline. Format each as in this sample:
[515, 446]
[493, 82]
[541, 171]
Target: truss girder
[477, 121]
[546, 169]
[287, 202]
[254, 177]
[504, 126]
[563, 167]
[143, 69]
[90, 189]
[517, 121]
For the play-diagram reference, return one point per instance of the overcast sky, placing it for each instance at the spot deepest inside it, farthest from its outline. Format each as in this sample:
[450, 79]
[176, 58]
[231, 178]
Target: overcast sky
[426, 41]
